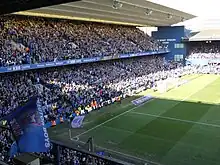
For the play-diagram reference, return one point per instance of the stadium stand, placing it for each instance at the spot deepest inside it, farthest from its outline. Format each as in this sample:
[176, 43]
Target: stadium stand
[64, 91]
[204, 47]
[28, 40]
[204, 50]
[81, 84]
[91, 84]
[74, 89]
[69, 91]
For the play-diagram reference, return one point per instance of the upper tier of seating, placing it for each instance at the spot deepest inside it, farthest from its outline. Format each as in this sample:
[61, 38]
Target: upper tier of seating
[204, 50]
[35, 40]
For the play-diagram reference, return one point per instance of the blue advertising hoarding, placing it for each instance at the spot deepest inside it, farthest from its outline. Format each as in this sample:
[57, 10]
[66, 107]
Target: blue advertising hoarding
[75, 61]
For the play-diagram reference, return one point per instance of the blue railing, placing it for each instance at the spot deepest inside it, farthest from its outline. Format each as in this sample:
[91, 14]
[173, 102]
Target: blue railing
[76, 61]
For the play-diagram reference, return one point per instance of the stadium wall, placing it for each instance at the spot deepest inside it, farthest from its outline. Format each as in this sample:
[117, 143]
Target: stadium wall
[172, 38]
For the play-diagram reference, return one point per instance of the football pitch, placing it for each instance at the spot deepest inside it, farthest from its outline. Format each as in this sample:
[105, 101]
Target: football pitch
[179, 127]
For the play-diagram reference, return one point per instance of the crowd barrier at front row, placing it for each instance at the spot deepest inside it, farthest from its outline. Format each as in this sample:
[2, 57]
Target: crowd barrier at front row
[56, 150]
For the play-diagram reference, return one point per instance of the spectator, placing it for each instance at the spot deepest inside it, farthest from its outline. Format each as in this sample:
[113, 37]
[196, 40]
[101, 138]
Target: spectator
[72, 89]
[204, 50]
[26, 40]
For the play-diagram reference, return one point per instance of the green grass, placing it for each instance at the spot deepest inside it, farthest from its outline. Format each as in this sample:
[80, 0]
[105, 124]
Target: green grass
[180, 127]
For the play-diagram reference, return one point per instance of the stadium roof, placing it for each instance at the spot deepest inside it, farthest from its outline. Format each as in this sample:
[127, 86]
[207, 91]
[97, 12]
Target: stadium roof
[9, 6]
[211, 34]
[130, 12]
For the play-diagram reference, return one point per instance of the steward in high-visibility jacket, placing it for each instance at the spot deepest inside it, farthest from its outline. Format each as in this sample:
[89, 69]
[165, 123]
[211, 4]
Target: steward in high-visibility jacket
[77, 112]
[119, 99]
[95, 104]
[92, 105]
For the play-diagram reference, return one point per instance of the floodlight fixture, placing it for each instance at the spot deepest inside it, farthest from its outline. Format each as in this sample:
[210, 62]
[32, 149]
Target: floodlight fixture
[148, 12]
[169, 16]
[182, 19]
[116, 4]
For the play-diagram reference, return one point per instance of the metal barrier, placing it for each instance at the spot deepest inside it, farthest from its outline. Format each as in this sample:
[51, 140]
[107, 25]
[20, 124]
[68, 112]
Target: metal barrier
[107, 160]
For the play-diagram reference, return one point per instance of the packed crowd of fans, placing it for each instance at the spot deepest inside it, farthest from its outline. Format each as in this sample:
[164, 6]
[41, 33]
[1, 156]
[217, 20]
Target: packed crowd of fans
[204, 50]
[5, 144]
[78, 89]
[25, 40]
[74, 89]
[77, 86]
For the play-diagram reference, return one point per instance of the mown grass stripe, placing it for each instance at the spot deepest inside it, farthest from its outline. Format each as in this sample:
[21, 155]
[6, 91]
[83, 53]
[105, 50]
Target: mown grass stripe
[178, 120]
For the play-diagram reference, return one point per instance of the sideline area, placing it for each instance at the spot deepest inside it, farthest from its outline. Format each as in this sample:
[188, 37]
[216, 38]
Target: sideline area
[130, 122]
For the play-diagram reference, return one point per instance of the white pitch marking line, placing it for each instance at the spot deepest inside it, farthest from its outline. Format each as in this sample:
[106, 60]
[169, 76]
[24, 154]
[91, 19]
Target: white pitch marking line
[184, 99]
[176, 119]
[109, 120]
[117, 152]
[77, 136]
[121, 115]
